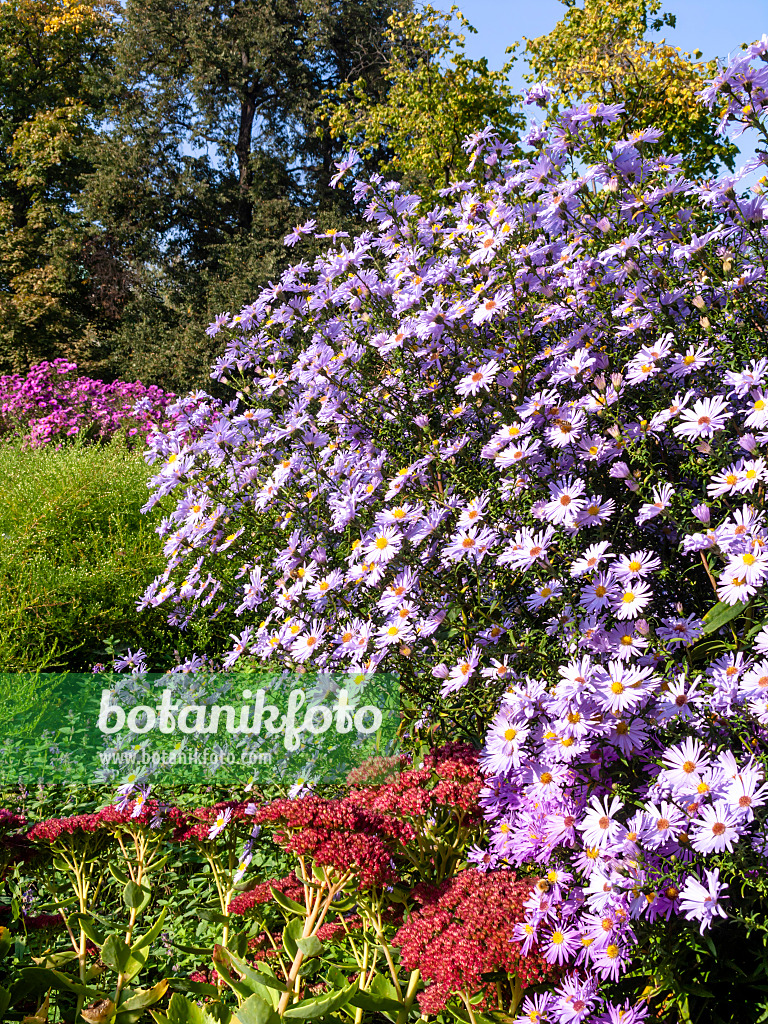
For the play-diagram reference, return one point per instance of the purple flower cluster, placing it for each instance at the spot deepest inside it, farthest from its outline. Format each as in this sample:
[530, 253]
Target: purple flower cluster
[52, 402]
[740, 90]
[517, 441]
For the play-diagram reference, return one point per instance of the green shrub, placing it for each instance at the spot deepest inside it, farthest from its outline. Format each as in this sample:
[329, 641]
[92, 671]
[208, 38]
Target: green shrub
[76, 553]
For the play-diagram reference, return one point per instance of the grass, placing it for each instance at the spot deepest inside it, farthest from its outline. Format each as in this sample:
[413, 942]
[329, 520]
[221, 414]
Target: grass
[76, 554]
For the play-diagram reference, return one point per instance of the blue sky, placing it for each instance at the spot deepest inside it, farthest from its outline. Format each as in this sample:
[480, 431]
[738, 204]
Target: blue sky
[716, 27]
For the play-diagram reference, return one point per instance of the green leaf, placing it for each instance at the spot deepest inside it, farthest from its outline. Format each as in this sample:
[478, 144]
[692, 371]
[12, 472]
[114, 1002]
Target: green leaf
[270, 979]
[343, 905]
[397, 895]
[158, 864]
[214, 916]
[88, 925]
[255, 981]
[115, 953]
[221, 964]
[198, 988]
[375, 1004]
[128, 1017]
[291, 933]
[286, 903]
[319, 1006]
[118, 874]
[136, 896]
[255, 1010]
[721, 614]
[197, 950]
[183, 1011]
[5, 1001]
[152, 934]
[217, 1013]
[135, 964]
[43, 978]
[144, 997]
[335, 977]
[310, 946]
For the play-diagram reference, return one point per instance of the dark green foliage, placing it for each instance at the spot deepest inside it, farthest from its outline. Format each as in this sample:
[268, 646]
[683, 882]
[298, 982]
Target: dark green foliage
[211, 157]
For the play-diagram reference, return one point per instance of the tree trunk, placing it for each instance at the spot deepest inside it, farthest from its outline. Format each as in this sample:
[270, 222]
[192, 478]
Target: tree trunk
[244, 166]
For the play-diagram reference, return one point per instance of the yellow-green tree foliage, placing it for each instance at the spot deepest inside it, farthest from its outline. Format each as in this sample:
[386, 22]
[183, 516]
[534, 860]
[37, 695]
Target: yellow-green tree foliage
[433, 97]
[53, 58]
[600, 53]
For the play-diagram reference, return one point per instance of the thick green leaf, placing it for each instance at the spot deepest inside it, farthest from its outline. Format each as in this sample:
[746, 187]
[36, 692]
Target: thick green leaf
[198, 988]
[214, 916]
[721, 614]
[158, 864]
[217, 1013]
[335, 977]
[270, 979]
[135, 964]
[343, 905]
[221, 964]
[255, 1011]
[42, 978]
[197, 950]
[88, 925]
[136, 896]
[375, 1004]
[319, 1006]
[255, 981]
[118, 874]
[128, 1017]
[311, 946]
[152, 934]
[5, 1001]
[183, 1011]
[286, 903]
[59, 959]
[115, 952]
[291, 933]
[144, 997]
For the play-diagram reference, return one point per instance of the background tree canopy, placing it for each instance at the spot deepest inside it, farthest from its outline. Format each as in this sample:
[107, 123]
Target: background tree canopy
[154, 153]
[601, 53]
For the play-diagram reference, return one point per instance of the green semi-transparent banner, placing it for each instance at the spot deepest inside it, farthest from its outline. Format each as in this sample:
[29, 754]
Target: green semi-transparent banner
[176, 729]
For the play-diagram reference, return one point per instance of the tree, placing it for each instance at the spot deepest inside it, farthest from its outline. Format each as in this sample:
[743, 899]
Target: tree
[212, 158]
[55, 56]
[435, 97]
[599, 53]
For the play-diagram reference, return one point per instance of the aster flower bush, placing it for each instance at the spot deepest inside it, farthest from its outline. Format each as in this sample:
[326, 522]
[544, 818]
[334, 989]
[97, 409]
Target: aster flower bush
[513, 447]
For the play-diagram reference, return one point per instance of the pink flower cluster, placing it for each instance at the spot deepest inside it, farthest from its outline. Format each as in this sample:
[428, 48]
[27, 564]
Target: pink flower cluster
[52, 402]
[463, 931]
